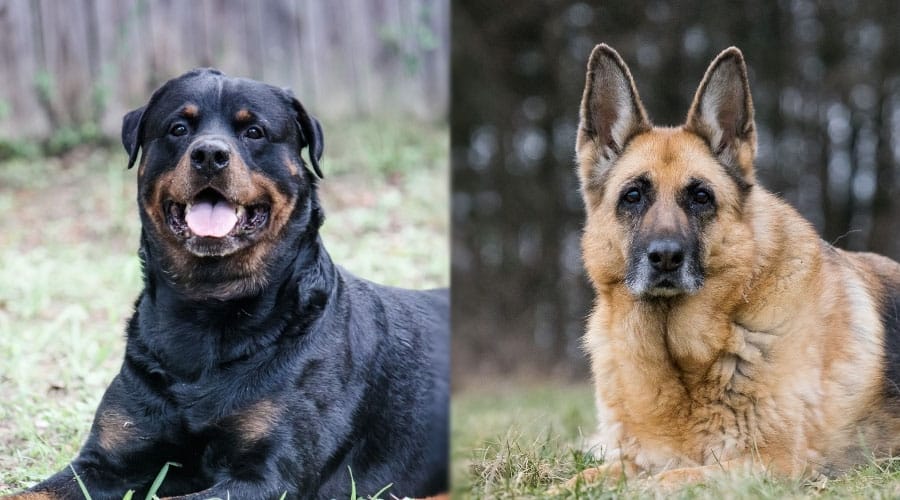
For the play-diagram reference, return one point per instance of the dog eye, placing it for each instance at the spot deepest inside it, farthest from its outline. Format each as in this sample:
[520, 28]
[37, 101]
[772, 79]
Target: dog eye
[702, 197]
[254, 132]
[632, 196]
[178, 130]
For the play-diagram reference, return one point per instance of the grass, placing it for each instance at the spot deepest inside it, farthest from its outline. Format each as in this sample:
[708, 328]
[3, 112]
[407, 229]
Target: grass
[518, 442]
[69, 271]
[508, 442]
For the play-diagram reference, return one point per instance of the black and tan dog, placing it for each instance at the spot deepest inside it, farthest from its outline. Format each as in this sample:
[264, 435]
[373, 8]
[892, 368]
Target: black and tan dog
[252, 360]
[726, 334]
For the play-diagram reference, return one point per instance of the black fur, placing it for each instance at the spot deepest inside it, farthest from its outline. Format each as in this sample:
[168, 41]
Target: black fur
[890, 318]
[283, 388]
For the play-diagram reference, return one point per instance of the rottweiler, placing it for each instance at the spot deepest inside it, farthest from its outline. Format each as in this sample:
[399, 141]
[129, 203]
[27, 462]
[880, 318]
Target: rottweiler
[252, 361]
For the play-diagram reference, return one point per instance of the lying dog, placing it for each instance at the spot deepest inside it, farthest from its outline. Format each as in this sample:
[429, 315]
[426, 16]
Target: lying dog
[726, 334]
[252, 360]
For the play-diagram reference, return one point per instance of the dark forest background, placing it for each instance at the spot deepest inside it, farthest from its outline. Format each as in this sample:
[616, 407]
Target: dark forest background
[825, 78]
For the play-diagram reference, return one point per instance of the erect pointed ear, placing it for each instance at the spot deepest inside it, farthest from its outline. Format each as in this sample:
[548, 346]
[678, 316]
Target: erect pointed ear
[310, 133]
[131, 133]
[611, 113]
[722, 114]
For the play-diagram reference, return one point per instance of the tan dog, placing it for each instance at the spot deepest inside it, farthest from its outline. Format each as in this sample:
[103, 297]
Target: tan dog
[726, 334]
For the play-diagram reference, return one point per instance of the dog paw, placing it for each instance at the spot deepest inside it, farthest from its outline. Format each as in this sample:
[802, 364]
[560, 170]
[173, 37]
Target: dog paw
[590, 476]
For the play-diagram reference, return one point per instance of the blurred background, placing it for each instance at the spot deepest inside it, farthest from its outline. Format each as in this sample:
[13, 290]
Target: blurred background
[71, 70]
[825, 78]
[375, 72]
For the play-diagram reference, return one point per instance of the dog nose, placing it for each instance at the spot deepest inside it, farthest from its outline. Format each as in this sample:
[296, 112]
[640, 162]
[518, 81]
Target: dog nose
[665, 255]
[210, 156]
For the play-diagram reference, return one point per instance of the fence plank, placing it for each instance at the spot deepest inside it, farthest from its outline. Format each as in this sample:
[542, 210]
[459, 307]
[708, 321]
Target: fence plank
[83, 62]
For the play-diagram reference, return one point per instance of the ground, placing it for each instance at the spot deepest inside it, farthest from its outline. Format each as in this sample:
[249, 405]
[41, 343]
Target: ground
[516, 440]
[69, 271]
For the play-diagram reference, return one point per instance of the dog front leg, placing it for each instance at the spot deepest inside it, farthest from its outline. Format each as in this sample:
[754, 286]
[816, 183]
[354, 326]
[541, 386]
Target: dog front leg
[615, 471]
[61, 486]
[64, 486]
[674, 479]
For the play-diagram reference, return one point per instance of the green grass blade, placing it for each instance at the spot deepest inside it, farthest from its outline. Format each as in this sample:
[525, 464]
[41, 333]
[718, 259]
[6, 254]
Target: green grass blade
[352, 484]
[151, 495]
[377, 495]
[81, 485]
[128, 495]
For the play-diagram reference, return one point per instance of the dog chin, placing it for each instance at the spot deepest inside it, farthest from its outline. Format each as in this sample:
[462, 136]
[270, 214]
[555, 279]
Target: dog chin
[664, 292]
[662, 289]
[213, 247]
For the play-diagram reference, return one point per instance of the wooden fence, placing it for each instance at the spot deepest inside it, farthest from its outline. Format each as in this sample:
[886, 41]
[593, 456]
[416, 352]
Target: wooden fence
[79, 63]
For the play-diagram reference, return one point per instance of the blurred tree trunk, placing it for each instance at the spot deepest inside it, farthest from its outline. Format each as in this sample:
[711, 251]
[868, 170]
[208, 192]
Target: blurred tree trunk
[885, 234]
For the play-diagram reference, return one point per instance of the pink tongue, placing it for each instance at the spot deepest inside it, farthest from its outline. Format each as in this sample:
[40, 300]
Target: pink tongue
[208, 219]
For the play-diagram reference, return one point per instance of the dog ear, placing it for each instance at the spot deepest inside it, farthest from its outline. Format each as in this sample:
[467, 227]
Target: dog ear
[310, 133]
[611, 112]
[722, 114]
[131, 129]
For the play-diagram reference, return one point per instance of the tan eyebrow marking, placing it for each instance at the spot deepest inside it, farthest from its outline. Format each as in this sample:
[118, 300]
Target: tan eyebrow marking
[190, 111]
[243, 115]
[291, 165]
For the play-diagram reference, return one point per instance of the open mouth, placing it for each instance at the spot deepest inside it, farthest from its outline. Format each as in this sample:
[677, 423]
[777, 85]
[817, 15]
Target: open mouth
[210, 215]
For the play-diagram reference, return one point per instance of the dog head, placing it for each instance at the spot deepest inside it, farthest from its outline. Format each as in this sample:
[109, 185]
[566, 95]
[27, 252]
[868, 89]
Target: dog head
[662, 202]
[222, 187]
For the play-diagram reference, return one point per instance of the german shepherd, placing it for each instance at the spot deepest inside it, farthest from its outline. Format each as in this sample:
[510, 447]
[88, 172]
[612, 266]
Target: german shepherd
[726, 335]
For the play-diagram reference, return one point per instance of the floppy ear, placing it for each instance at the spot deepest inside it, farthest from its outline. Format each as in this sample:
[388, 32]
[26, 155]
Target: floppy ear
[722, 114]
[310, 133]
[131, 133]
[611, 113]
